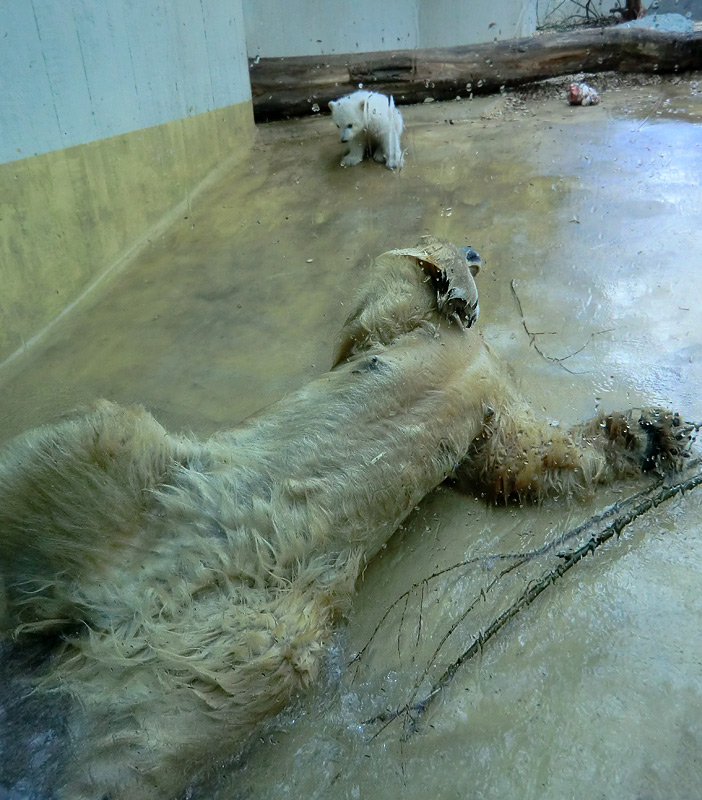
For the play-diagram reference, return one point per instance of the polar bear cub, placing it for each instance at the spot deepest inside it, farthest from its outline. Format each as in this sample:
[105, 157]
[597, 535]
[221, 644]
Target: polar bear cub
[371, 124]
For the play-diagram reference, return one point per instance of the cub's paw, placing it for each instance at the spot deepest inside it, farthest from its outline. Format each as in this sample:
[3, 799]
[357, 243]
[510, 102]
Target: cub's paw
[394, 162]
[351, 160]
[668, 437]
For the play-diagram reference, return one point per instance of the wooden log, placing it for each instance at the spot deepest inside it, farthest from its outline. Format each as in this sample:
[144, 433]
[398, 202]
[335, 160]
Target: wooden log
[296, 86]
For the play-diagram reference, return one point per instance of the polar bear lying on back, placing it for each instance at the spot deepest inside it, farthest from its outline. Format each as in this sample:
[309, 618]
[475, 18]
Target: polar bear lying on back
[371, 124]
[192, 586]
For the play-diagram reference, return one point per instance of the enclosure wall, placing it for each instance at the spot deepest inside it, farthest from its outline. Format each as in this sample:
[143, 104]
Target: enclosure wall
[316, 27]
[113, 114]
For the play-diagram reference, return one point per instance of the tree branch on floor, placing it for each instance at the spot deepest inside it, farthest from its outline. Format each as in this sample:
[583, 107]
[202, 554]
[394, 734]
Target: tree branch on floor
[565, 551]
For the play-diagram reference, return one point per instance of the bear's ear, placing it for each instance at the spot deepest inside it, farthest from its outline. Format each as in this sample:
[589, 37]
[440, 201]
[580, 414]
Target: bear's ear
[332, 103]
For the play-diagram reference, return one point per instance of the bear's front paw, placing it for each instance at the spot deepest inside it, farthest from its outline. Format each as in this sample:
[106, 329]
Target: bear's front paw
[351, 160]
[669, 440]
[657, 441]
[451, 271]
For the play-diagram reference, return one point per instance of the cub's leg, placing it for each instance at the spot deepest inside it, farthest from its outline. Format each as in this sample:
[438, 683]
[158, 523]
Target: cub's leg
[357, 148]
[516, 456]
[392, 149]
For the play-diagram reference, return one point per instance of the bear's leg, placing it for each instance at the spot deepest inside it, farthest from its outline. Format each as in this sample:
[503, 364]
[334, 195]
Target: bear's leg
[72, 496]
[356, 152]
[179, 681]
[519, 457]
[420, 287]
[393, 150]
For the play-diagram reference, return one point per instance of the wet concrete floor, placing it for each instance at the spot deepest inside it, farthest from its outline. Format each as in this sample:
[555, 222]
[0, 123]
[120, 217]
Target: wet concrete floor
[588, 221]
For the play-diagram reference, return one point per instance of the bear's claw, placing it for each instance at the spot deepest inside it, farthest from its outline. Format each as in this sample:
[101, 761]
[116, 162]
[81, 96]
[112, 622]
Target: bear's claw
[669, 440]
[451, 272]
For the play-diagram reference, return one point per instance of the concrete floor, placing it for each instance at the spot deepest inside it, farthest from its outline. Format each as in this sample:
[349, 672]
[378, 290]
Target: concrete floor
[588, 222]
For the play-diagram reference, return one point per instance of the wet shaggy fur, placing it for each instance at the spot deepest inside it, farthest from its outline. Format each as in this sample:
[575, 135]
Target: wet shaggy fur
[194, 584]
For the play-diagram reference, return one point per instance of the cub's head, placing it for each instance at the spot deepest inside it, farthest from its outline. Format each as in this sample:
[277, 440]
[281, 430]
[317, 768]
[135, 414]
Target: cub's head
[347, 114]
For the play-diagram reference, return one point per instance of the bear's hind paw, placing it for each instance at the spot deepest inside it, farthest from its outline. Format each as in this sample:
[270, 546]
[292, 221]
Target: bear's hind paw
[669, 440]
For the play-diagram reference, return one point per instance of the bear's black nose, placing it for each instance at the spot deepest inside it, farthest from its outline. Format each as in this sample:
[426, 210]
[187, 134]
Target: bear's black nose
[472, 257]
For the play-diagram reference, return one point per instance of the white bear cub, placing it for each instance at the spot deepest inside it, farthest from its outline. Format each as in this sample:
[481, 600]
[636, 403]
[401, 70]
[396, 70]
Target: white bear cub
[371, 124]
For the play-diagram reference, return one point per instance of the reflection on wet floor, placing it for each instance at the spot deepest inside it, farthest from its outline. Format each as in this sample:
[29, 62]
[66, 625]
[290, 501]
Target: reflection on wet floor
[588, 223]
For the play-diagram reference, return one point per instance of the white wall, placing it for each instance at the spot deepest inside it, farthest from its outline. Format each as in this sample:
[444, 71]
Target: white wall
[450, 23]
[73, 71]
[315, 27]
[319, 27]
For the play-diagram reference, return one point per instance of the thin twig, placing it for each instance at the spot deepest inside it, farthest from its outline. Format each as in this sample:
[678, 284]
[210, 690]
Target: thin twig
[489, 558]
[626, 512]
[532, 337]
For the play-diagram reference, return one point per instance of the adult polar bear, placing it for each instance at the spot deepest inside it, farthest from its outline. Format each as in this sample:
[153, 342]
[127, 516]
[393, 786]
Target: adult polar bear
[195, 584]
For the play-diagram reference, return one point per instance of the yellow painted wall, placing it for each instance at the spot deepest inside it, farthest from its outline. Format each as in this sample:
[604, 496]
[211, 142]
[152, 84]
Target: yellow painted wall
[70, 218]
